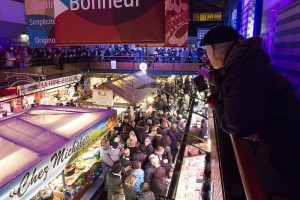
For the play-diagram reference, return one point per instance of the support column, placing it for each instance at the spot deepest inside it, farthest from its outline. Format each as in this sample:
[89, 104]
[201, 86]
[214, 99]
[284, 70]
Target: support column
[257, 17]
[239, 15]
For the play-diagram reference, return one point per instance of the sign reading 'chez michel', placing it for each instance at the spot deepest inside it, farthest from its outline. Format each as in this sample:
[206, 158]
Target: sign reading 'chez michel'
[40, 172]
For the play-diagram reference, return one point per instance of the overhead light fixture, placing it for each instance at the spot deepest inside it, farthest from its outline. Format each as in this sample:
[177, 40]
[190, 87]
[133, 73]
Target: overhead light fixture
[143, 67]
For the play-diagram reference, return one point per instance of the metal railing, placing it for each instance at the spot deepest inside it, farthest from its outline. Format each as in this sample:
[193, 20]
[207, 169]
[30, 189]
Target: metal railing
[31, 62]
[249, 181]
[180, 156]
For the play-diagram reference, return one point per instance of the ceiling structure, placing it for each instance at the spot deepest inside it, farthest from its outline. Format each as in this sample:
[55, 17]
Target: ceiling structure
[207, 6]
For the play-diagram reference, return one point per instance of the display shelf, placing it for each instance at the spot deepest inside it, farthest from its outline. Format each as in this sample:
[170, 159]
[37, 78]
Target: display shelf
[86, 172]
[191, 177]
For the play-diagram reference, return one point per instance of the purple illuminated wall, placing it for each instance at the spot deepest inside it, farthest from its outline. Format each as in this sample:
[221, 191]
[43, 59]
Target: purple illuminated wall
[12, 22]
[248, 18]
[281, 38]
[12, 11]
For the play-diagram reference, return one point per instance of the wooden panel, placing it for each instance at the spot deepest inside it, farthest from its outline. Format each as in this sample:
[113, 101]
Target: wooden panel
[32, 70]
[215, 169]
[51, 70]
[125, 65]
[82, 66]
[99, 65]
[187, 67]
[70, 67]
[164, 66]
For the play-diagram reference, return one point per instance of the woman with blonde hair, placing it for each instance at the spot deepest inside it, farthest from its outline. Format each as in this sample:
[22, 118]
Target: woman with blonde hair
[129, 189]
[119, 194]
[131, 145]
[133, 137]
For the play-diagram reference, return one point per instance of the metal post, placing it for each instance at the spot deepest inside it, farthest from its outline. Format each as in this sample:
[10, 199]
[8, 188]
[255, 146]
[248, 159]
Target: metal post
[257, 17]
[175, 178]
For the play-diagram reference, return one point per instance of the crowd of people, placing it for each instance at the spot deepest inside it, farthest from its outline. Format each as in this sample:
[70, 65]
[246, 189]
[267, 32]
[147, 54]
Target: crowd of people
[15, 57]
[138, 155]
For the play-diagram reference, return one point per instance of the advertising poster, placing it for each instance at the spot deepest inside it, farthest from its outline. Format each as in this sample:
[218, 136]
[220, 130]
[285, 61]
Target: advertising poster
[40, 23]
[109, 21]
[176, 24]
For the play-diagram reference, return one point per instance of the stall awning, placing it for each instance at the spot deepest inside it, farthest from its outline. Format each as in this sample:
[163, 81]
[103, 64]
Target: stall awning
[131, 88]
[39, 134]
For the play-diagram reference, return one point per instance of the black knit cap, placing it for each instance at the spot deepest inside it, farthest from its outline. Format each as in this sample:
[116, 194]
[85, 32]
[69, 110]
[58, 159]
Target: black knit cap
[219, 35]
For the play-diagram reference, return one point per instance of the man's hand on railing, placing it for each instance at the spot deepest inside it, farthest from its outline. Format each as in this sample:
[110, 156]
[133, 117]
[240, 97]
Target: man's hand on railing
[254, 137]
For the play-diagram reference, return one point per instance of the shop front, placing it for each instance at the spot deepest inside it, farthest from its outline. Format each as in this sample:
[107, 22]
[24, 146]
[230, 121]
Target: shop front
[52, 152]
[120, 93]
[49, 92]
[8, 102]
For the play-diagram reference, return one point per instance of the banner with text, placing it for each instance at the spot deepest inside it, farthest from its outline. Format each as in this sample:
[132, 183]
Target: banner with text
[45, 85]
[176, 25]
[40, 23]
[109, 21]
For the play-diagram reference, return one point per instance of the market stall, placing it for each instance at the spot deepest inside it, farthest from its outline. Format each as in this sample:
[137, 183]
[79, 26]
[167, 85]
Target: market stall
[51, 150]
[128, 90]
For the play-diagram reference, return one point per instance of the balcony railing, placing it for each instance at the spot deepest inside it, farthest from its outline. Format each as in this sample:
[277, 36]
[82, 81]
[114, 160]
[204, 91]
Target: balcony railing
[231, 151]
[54, 67]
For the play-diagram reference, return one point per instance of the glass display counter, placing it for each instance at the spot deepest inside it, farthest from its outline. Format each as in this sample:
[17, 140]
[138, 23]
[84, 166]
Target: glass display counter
[78, 176]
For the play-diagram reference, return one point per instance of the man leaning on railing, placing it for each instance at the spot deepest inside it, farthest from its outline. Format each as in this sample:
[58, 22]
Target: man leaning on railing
[254, 101]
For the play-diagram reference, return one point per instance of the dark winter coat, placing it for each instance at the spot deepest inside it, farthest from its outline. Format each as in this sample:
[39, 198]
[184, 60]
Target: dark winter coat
[255, 98]
[125, 161]
[149, 172]
[130, 193]
[112, 183]
[158, 187]
[139, 156]
[146, 196]
[167, 154]
[149, 149]
[175, 137]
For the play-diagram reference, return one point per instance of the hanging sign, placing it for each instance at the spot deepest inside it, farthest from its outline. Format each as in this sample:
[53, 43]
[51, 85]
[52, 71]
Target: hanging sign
[45, 85]
[109, 21]
[176, 25]
[40, 23]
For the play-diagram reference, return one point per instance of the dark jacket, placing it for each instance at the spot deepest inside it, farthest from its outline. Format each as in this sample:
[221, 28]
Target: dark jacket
[130, 193]
[146, 196]
[167, 154]
[174, 136]
[158, 187]
[149, 172]
[255, 98]
[112, 183]
[125, 161]
[149, 149]
[139, 156]
[133, 150]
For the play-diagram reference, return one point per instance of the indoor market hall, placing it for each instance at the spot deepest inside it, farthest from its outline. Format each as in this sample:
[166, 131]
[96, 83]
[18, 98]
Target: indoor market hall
[149, 100]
